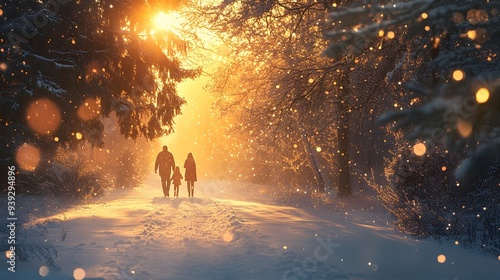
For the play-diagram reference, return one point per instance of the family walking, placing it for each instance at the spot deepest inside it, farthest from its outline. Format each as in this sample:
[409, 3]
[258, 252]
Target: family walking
[165, 164]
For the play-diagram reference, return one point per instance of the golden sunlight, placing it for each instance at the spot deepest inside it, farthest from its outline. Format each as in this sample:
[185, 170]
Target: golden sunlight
[170, 21]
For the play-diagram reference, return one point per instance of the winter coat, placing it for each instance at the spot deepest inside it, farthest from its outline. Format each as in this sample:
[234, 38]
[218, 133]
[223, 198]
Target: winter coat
[176, 178]
[190, 174]
[165, 162]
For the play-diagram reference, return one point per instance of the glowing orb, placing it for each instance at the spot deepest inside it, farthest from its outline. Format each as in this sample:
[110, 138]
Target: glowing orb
[79, 274]
[441, 258]
[43, 116]
[28, 157]
[89, 109]
[228, 236]
[458, 75]
[482, 95]
[464, 128]
[43, 271]
[419, 149]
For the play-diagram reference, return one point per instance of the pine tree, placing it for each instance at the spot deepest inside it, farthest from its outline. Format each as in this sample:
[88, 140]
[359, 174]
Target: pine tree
[65, 65]
[451, 69]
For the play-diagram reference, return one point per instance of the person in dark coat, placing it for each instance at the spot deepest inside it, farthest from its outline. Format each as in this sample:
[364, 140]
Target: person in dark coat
[176, 180]
[190, 174]
[165, 164]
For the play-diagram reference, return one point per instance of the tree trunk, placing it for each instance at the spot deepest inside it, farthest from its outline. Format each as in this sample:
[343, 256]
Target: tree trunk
[313, 161]
[344, 183]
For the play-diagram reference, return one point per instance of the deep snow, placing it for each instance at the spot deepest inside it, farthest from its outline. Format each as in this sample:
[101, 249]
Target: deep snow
[237, 231]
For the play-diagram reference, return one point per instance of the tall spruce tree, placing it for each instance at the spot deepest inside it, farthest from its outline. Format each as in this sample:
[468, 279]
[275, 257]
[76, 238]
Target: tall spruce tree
[451, 72]
[65, 65]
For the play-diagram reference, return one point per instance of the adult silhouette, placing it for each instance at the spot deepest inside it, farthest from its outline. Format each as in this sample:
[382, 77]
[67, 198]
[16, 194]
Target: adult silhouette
[165, 163]
[190, 174]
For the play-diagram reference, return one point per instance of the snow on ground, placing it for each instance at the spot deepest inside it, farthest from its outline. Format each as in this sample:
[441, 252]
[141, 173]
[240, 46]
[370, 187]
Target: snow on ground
[239, 231]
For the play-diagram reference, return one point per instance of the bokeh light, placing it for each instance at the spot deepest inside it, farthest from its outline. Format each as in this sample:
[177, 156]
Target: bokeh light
[391, 35]
[43, 271]
[464, 128]
[43, 116]
[28, 157]
[228, 236]
[441, 258]
[79, 274]
[318, 149]
[3, 66]
[458, 18]
[419, 149]
[458, 75]
[78, 136]
[471, 34]
[482, 95]
[89, 109]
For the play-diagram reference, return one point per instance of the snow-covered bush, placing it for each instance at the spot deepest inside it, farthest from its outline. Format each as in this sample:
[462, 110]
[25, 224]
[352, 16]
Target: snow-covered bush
[32, 240]
[71, 174]
[427, 201]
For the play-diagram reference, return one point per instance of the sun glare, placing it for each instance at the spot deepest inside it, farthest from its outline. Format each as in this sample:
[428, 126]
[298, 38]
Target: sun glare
[168, 21]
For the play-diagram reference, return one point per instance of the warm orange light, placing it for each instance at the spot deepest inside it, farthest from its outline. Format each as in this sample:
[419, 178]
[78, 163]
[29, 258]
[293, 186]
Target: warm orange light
[458, 75]
[228, 236]
[89, 109]
[419, 149]
[471, 34]
[43, 116]
[43, 271]
[28, 157]
[79, 274]
[441, 258]
[482, 95]
[464, 128]
[168, 21]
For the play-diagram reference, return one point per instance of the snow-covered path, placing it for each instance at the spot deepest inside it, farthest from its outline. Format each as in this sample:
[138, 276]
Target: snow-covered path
[237, 231]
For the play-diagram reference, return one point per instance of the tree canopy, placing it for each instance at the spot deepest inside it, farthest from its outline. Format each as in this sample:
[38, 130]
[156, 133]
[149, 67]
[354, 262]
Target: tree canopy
[65, 65]
[450, 66]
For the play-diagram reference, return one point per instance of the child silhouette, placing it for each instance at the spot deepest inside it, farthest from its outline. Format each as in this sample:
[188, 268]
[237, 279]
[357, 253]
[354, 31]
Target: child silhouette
[176, 180]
